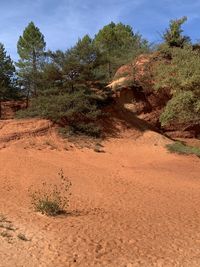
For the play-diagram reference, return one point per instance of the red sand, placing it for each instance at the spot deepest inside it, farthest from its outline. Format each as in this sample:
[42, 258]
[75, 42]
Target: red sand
[134, 205]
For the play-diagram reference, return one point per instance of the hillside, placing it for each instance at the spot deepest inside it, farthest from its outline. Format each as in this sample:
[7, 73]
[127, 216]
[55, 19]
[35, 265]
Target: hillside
[134, 89]
[134, 205]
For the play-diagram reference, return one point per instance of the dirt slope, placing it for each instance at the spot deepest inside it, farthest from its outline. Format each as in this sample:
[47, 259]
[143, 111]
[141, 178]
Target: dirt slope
[134, 205]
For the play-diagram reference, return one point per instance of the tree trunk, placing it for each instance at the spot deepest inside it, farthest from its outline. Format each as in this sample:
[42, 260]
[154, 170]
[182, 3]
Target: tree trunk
[34, 73]
[27, 96]
[109, 70]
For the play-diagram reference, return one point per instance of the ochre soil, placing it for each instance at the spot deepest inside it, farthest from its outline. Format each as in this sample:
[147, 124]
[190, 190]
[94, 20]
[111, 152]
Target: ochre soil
[133, 205]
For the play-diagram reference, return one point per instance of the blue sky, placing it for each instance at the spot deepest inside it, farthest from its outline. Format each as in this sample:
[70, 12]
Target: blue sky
[64, 21]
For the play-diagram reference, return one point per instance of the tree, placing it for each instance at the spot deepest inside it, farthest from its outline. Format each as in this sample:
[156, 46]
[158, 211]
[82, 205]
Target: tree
[30, 47]
[7, 69]
[173, 35]
[67, 97]
[119, 44]
[86, 57]
[79, 65]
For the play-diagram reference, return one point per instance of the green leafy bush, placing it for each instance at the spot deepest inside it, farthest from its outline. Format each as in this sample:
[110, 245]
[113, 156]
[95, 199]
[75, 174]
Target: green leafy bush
[182, 108]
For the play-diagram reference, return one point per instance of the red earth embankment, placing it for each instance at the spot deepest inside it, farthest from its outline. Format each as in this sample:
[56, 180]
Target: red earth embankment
[134, 205]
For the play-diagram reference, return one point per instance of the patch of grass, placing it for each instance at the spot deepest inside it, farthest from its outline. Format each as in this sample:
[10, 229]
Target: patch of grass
[22, 237]
[52, 199]
[180, 148]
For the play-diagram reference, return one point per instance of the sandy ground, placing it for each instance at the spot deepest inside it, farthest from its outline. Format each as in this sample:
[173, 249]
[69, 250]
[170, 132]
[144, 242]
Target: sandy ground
[134, 205]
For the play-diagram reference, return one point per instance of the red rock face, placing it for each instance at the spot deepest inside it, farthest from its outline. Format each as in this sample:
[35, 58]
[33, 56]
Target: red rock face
[9, 108]
[137, 66]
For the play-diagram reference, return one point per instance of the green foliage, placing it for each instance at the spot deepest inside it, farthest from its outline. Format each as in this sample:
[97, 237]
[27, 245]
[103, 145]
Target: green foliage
[52, 199]
[173, 35]
[78, 65]
[67, 91]
[119, 44]
[183, 107]
[182, 72]
[69, 87]
[77, 109]
[180, 75]
[30, 47]
[180, 148]
[7, 69]
[90, 129]
[31, 44]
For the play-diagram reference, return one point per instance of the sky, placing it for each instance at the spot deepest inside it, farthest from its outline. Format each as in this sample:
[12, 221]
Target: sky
[64, 21]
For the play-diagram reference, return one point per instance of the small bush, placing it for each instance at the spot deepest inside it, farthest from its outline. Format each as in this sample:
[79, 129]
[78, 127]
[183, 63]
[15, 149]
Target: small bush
[181, 148]
[52, 200]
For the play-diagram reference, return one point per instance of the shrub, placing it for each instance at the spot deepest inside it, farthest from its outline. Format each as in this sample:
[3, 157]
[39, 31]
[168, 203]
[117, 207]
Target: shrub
[52, 200]
[77, 110]
[181, 108]
[181, 77]
[180, 148]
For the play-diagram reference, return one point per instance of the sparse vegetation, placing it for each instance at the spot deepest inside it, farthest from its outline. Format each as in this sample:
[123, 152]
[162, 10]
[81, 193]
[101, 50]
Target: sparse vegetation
[6, 234]
[22, 237]
[9, 231]
[180, 148]
[52, 199]
[51, 144]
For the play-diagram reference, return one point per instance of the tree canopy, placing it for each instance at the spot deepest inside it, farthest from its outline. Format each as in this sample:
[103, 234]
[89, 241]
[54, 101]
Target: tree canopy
[119, 43]
[30, 47]
[7, 71]
[173, 35]
[69, 87]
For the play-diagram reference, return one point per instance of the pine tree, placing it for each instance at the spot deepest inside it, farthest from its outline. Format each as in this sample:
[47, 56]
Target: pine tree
[77, 66]
[69, 99]
[119, 45]
[7, 70]
[83, 61]
[30, 47]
